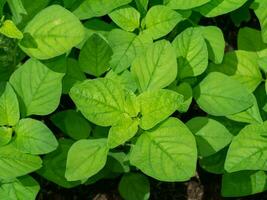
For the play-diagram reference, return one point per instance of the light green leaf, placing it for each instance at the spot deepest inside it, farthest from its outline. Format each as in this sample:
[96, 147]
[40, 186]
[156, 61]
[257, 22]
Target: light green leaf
[160, 20]
[192, 53]
[38, 88]
[121, 132]
[184, 4]
[19, 189]
[152, 69]
[241, 66]
[126, 47]
[14, 163]
[211, 136]
[10, 30]
[127, 18]
[9, 106]
[92, 158]
[260, 7]
[34, 137]
[167, 152]
[248, 150]
[55, 30]
[243, 183]
[221, 95]
[134, 186]
[219, 7]
[95, 56]
[96, 8]
[157, 105]
[5, 135]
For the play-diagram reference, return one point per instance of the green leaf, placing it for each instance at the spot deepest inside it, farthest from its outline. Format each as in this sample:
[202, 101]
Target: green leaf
[248, 150]
[142, 6]
[127, 18]
[5, 135]
[95, 56]
[260, 7]
[14, 163]
[9, 106]
[152, 69]
[192, 53]
[220, 95]
[160, 20]
[96, 8]
[121, 132]
[167, 152]
[184, 4]
[126, 47]
[242, 66]
[92, 158]
[211, 136]
[34, 137]
[72, 123]
[243, 183]
[219, 7]
[103, 101]
[134, 186]
[19, 189]
[38, 88]
[55, 30]
[187, 92]
[157, 105]
[10, 30]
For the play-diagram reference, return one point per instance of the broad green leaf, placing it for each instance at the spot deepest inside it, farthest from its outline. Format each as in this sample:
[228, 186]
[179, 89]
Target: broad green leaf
[95, 56]
[38, 88]
[220, 95]
[72, 123]
[92, 158]
[160, 20]
[121, 132]
[19, 189]
[192, 52]
[167, 153]
[248, 150]
[134, 186]
[187, 92]
[55, 30]
[10, 30]
[54, 165]
[96, 8]
[5, 135]
[157, 105]
[127, 18]
[219, 7]
[126, 47]
[103, 101]
[260, 7]
[9, 106]
[215, 42]
[211, 136]
[243, 183]
[184, 4]
[157, 68]
[34, 137]
[14, 163]
[241, 66]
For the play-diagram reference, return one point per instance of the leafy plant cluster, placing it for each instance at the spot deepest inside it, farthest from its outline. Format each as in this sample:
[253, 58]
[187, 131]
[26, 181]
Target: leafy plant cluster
[114, 80]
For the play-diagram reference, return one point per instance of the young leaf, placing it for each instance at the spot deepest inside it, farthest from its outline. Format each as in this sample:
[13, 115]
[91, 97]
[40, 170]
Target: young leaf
[221, 95]
[167, 152]
[184, 4]
[160, 20]
[192, 53]
[10, 30]
[38, 88]
[92, 158]
[157, 68]
[55, 31]
[5, 135]
[34, 137]
[127, 18]
[95, 56]
[134, 186]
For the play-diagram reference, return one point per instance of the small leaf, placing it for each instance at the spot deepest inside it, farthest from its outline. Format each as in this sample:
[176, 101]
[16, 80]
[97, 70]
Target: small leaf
[5, 135]
[10, 30]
